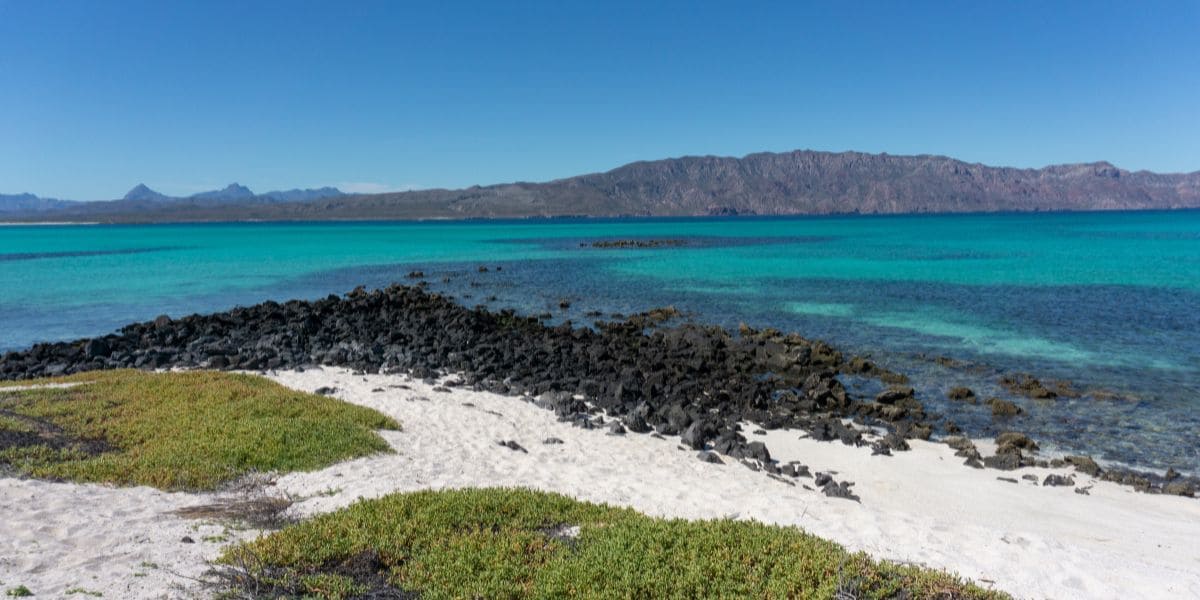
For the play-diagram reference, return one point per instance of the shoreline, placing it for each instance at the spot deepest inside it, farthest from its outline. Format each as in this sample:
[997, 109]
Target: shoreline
[648, 369]
[614, 218]
[919, 506]
[45, 223]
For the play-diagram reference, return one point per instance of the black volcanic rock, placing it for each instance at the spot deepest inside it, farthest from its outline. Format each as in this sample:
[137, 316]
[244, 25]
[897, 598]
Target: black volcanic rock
[701, 381]
[698, 381]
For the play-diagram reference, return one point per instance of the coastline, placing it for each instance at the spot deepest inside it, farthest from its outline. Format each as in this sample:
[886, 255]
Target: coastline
[661, 371]
[608, 218]
[917, 507]
[711, 437]
[45, 223]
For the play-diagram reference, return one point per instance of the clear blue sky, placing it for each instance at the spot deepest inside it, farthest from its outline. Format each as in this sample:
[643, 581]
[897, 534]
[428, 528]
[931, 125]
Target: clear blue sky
[96, 96]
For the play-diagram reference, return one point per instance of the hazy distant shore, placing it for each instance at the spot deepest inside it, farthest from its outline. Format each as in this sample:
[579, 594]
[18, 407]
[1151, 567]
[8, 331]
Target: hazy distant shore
[801, 182]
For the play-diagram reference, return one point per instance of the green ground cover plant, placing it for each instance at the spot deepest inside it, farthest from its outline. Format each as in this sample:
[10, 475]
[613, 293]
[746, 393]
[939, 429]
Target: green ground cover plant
[518, 543]
[176, 431]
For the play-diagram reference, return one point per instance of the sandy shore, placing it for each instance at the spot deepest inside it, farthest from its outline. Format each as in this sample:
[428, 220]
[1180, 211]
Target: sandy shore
[920, 506]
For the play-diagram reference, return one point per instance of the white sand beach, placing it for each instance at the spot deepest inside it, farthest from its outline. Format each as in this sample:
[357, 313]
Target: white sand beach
[920, 506]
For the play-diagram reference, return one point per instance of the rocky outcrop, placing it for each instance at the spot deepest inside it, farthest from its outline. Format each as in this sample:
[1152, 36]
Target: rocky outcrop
[1003, 408]
[639, 375]
[691, 380]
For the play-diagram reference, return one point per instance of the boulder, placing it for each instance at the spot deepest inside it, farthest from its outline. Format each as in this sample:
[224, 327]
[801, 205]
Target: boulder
[859, 365]
[757, 451]
[839, 490]
[894, 395]
[1084, 464]
[892, 441]
[1058, 480]
[1180, 488]
[1004, 408]
[637, 424]
[695, 436]
[96, 348]
[1004, 462]
[1009, 441]
[920, 431]
[958, 442]
[1026, 385]
[962, 394]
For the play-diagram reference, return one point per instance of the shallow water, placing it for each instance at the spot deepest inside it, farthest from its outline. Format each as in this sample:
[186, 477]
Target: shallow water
[1106, 300]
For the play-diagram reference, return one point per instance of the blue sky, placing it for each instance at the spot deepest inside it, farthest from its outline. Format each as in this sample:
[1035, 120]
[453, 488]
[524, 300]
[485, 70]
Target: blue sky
[185, 96]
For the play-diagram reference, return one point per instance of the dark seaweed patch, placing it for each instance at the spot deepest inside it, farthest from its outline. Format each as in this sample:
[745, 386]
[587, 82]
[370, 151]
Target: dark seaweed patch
[83, 253]
[648, 242]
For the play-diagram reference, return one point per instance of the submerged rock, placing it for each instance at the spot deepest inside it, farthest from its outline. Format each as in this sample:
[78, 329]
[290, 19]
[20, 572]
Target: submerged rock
[1027, 385]
[1004, 408]
[894, 395]
[963, 394]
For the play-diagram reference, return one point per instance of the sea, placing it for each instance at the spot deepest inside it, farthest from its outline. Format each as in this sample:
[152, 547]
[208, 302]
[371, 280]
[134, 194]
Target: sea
[1109, 301]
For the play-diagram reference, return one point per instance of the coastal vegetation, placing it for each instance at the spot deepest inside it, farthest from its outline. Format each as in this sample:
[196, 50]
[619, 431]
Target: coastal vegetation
[645, 372]
[518, 543]
[176, 431]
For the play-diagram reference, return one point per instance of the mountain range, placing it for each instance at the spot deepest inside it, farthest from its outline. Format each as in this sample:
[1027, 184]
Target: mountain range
[29, 206]
[790, 183]
[29, 203]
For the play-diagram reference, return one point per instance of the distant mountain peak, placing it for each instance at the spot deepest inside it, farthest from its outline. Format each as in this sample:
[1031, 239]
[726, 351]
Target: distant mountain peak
[142, 192]
[236, 188]
[233, 191]
[764, 183]
[10, 203]
[305, 195]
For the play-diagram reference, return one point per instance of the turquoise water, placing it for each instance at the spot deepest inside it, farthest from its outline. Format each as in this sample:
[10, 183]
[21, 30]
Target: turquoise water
[1107, 300]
